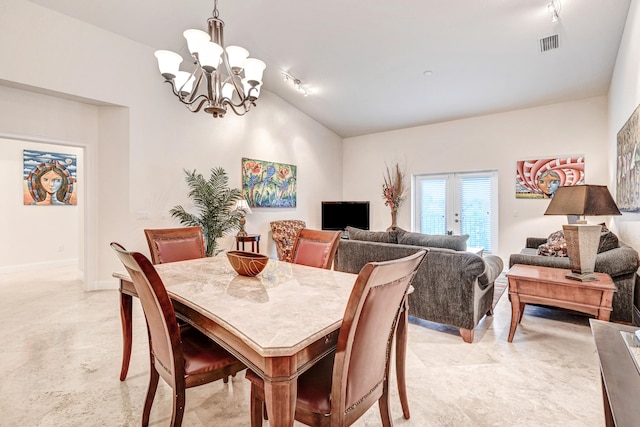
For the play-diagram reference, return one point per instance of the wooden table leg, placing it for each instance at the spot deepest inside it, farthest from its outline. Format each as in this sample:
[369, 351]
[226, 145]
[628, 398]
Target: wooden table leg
[516, 315]
[125, 318]
[280, 397]
[401, 356]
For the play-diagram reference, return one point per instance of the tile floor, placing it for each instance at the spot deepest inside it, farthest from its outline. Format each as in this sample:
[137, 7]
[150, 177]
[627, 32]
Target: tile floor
[61, 349]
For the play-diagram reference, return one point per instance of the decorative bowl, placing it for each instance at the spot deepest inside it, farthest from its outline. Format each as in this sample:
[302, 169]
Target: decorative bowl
[247, 263]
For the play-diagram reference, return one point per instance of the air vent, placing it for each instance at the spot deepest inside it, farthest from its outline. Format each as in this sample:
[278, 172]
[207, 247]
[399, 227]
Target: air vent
[549, 43]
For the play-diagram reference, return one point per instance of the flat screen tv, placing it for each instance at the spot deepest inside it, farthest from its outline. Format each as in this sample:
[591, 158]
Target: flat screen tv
[340, 215]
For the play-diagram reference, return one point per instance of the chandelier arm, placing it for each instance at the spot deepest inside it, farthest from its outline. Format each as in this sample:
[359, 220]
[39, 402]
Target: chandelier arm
[233, 77]
[235, 107]
[198, 107]
[196, 85]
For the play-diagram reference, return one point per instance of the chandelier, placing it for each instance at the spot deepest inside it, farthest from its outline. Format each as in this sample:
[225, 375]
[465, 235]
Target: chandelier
[221, 76]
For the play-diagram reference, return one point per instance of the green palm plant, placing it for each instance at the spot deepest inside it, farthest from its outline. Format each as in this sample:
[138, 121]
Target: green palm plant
[214, 202]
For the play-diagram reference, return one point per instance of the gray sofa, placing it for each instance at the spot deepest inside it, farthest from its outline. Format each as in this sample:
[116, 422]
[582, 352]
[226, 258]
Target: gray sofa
[452, 286]
[620, 262]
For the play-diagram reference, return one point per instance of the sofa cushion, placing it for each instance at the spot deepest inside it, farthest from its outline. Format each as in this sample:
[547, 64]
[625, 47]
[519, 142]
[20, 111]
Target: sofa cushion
[372, 236]
[456, 243]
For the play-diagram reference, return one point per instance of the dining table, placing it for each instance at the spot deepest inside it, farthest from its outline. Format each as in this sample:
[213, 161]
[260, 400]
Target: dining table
[279, 323]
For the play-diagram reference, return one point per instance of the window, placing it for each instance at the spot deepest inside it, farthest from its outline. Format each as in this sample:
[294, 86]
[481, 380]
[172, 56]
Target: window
[459, 203]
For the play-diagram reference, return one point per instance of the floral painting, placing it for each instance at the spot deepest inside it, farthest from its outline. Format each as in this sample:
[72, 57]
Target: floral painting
[49, 178]
[268, 184]
[628, 173]
[540, 178]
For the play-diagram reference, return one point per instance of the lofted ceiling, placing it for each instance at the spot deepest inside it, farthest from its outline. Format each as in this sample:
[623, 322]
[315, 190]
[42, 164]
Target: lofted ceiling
[374, 66]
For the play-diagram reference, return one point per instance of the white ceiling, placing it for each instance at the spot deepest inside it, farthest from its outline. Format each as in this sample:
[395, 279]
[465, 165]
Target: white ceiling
[365, 60]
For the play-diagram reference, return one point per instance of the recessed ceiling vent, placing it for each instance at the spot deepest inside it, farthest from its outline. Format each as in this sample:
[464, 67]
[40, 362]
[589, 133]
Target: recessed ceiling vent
[549, 43]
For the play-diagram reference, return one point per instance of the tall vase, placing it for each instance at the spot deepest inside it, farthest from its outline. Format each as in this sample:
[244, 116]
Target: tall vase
[394, 221]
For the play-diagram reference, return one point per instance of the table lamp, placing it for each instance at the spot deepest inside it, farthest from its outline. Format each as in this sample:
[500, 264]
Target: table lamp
[242, 207]
[582, 239]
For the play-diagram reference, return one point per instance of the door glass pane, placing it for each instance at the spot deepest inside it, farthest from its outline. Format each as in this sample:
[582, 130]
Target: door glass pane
[475, 210]
[432, 196]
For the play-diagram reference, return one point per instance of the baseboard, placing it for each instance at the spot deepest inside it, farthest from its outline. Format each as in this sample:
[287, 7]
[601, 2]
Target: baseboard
[38, 266]
[103, 285]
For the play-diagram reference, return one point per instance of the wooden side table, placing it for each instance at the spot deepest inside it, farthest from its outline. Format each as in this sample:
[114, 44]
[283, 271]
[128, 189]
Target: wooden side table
[548, 286]
[253, 238]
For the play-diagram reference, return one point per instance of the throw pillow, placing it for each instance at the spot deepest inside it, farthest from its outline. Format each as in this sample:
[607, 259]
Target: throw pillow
[556, 245]
[456, 243]
[372, 236]
[608, 240]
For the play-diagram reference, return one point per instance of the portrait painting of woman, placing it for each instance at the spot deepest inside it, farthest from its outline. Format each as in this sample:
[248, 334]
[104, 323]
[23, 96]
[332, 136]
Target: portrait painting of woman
[540, 178]
[49, 178]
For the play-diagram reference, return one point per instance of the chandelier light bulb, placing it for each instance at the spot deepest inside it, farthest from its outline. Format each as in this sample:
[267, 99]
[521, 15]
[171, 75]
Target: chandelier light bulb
[195, 38]
[237, 56]
[209, 56]
[168, 63]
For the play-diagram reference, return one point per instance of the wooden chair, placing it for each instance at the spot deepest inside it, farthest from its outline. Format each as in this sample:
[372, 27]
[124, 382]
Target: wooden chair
[182, 356]
[165, 245]
[315, 248]
[283, 233]
[175, 244]
[342, 386]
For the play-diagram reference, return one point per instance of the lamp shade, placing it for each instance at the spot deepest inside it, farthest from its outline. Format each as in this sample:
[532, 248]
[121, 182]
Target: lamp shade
[582, 200]
[243, 206]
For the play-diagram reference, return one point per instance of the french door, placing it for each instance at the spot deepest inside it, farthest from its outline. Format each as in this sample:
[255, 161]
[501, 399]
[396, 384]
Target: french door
[458, 203]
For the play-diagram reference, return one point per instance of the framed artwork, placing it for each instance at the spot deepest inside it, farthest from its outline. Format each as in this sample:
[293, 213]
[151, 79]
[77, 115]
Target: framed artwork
[628, 159]
[268, 184]
[49, 178]
[540, 178]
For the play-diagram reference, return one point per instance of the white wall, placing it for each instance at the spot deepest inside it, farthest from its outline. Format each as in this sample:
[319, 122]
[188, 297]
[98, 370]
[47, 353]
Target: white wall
[624, 97]
[492, 142]
[36, 236]
[144, 137]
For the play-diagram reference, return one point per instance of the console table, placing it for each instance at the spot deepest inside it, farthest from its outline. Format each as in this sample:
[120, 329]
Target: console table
[548, 286]
[620, 378]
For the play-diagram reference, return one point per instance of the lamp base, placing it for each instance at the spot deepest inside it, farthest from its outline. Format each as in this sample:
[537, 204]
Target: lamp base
[582, 277]
[242, 233]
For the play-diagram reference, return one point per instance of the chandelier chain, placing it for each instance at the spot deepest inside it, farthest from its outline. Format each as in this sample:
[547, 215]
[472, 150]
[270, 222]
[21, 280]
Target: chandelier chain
[215, 8]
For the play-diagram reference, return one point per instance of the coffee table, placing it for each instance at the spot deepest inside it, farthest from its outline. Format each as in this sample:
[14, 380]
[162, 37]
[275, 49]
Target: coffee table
[532, 284]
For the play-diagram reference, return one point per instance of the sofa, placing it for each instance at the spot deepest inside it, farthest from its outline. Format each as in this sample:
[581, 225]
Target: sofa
[615, 258]
[451, 286]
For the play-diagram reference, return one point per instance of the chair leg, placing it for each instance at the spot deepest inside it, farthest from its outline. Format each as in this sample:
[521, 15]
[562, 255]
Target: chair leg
[401, 355]
[125, 319]
[383, 404]
[256, 407]
[178, 407]
[151, 392]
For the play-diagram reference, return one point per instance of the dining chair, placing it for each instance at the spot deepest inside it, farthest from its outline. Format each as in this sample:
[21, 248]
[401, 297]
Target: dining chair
[342, 386]
[315, 248]
[175, 244]
[181, 355]
[283, 233]
[165, 245]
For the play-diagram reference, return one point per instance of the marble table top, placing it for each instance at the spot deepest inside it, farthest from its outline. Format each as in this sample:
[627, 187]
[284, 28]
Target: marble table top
[278, 312]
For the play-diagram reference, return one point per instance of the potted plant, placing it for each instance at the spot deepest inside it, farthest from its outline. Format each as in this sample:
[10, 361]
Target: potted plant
[214, 202]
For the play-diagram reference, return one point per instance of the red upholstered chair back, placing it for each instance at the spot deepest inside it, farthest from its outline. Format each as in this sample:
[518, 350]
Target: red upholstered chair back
[162, 325]
[361, 367]
[315, 248]
[284, 234]
[175, 244]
